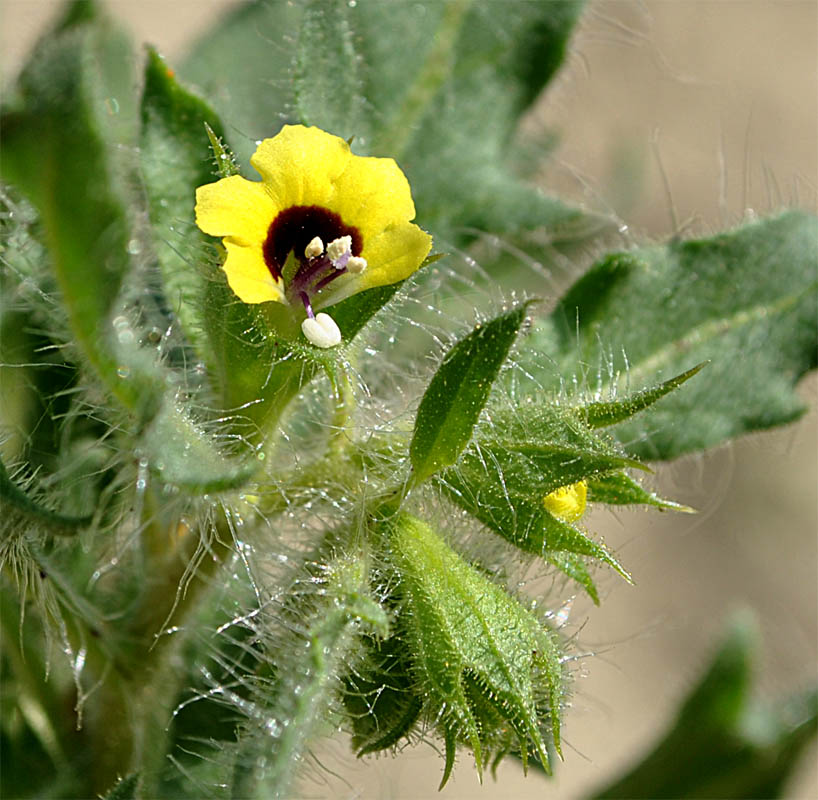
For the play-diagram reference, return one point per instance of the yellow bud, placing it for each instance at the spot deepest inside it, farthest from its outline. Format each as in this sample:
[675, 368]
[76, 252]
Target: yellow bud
[567, 502]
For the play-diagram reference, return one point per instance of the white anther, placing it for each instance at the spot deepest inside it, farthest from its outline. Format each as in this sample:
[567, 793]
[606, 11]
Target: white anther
[321, 330]
[314, 248]
[356, 265]
[337, 248]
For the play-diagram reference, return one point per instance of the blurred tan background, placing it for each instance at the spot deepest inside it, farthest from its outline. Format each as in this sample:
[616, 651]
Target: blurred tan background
[724, 96]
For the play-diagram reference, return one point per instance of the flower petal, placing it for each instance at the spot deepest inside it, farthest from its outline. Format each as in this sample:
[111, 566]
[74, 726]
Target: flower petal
[392, 256]
[372, 194]
[248, 275]
[235, 207]
[300, 165]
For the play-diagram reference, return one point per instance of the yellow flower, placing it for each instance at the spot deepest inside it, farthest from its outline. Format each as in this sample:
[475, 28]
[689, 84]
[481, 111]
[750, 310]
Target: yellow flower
[321, 225]
[567, 502]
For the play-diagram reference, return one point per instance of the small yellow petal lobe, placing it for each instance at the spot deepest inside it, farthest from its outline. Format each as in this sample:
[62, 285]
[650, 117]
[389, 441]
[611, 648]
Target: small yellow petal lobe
[568, 502]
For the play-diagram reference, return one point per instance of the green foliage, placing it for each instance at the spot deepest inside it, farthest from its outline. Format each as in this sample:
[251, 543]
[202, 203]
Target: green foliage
[436, 86]
[524, 455]
[746, 301]
[59, 138]
[480, 657]
[722, 744]
[174, 157]
[458, 391]
[326, 75]
[247, 554]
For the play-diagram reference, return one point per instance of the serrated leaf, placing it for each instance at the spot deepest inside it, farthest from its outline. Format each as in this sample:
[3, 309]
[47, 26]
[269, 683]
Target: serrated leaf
[486, 665]
[720, 745]
[619, 489]
[175, 160]
[458, 391]
[326, 83]
[746, 300]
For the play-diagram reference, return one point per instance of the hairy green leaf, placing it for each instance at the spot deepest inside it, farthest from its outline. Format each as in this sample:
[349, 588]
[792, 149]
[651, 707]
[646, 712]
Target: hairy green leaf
[326, 83]
[73, 108]
[176, 160]
[458, 391]
[459, 75]
[244, 65]
[746, 301]
[720, 744]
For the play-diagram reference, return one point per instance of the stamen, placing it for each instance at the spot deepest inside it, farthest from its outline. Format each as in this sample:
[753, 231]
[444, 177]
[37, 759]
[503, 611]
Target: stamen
[328, 279]
[305, 299]
[321, 331]
[338, 248]
[356, 265]
[314, 248]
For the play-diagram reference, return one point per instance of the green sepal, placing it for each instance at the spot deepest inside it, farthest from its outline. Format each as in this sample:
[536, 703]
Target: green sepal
[521, 520]
[483, 663]
[573, 566]
[380, 697]
[516, 460]
[254, 369]
[458, 391]
[603, 414]
[619, 489]
[224, 160]
[173, 144]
